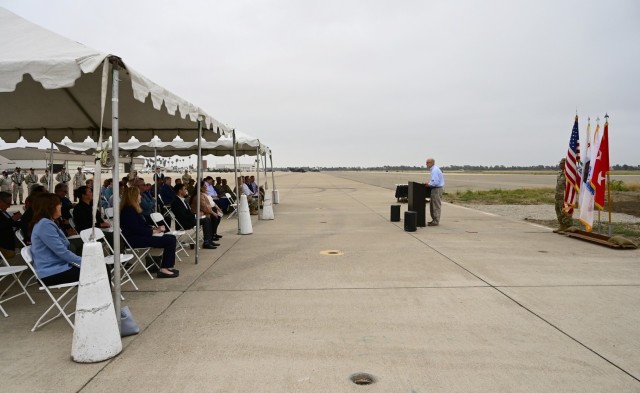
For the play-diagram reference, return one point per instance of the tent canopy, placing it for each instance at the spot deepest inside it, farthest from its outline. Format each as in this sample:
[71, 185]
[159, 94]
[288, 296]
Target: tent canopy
[34, 153]
[51, 87]
[245, 145]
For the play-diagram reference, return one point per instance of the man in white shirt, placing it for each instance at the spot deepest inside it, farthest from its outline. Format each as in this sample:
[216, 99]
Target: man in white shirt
[252, 197]
[436, 184]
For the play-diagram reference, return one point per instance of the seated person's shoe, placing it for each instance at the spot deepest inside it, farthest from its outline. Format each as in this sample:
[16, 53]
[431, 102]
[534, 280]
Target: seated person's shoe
[165, 275]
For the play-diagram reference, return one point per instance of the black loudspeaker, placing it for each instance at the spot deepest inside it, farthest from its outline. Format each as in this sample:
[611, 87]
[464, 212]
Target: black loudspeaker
[410, 221]
[395, 213]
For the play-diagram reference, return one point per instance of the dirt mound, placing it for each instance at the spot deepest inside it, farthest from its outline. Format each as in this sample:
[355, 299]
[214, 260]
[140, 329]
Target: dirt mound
[627, 202]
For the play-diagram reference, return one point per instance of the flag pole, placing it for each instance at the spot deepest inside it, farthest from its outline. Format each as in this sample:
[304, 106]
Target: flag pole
[609, 201]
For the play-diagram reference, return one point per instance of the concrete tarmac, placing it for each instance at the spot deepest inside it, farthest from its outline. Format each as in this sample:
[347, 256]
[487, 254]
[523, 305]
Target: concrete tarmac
[331, 288]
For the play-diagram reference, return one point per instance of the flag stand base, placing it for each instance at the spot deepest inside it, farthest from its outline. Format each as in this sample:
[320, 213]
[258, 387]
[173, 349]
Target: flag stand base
[595, 238]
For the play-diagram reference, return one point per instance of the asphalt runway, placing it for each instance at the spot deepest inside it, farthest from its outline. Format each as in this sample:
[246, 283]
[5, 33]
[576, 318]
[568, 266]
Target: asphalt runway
[460, 181]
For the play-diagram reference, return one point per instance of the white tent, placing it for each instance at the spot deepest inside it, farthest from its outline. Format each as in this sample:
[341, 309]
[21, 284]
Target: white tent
[50, 86]
[245, 145]
[53, 87]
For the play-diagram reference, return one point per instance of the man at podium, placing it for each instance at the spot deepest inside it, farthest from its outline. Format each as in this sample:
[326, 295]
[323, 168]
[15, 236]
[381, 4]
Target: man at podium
[435, 185]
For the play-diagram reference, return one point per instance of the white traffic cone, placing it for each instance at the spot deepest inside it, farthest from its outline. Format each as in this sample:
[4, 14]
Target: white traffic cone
[276, 197]
[96, 336]
[267, 208]
[244, 217]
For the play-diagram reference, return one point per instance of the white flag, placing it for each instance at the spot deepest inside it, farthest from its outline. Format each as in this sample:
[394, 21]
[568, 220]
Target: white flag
[587, 193]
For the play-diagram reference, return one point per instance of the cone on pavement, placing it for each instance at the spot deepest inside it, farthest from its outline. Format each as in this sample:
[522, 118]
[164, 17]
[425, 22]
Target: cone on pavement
[267, 208]
[96, 336]
[244, 217]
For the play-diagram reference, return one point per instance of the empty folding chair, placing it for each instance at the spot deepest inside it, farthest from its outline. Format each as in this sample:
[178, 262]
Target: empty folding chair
[108, 258]
[8, 271]
[232, 204]
[158, 219]
[26, 255]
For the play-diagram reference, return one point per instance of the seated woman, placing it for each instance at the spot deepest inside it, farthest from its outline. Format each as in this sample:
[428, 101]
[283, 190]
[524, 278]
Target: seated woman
[139, 234]
[27, 216]
[53, 262]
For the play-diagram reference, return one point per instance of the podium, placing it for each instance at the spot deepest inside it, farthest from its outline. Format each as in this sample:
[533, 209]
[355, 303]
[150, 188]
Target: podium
[417, 200]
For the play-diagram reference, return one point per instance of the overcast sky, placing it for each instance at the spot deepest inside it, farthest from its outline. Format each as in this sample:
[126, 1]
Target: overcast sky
[371, 82]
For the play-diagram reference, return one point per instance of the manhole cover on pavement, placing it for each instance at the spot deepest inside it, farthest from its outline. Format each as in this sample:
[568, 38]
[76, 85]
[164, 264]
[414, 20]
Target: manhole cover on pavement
[331, 252]
[362, 379]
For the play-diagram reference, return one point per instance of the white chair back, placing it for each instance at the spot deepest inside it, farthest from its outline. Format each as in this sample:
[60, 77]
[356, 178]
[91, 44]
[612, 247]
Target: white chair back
[28, 258]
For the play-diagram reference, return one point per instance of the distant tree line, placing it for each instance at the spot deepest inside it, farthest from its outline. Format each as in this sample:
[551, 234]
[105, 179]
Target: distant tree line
[616, 167]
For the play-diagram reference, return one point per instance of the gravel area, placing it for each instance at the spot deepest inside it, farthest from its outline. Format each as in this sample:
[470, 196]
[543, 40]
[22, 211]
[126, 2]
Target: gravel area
[543, 212]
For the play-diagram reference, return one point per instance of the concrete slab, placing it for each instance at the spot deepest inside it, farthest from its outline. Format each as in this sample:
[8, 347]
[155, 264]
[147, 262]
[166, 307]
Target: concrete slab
[470, 339]
[480, 303]
[603, 318]
[40, 361]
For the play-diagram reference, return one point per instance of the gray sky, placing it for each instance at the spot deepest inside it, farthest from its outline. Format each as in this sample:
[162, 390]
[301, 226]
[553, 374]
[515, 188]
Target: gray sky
[371, 82]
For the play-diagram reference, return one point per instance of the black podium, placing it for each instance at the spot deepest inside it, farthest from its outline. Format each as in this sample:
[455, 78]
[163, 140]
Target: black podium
[417, 200]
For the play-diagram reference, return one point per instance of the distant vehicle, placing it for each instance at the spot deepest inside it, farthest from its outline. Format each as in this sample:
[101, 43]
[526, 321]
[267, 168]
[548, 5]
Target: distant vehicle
[296, 169]
[314, 169]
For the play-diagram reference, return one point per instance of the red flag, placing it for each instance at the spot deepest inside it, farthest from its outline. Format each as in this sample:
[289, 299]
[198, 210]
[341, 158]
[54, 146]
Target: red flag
[601, 168]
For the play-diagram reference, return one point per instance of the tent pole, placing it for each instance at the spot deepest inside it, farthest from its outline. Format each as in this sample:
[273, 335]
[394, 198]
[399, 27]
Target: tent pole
[266, 178]
[258, 174]
[116, 195]
[50, 179]
[198, 178]
[235, 173]
[155, 182]
[273, 179]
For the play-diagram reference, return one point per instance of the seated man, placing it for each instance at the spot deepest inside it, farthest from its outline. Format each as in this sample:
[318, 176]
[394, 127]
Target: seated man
[62, 191]
[224, 187]
[82, 211]
[187, 219]
[208, 208]
[252, 197]
[8, 224]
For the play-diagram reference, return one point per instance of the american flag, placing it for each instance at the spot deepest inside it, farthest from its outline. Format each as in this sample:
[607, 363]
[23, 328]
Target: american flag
[572, 171]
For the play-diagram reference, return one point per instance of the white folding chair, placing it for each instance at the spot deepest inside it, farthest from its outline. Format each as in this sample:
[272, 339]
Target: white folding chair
[139, 254]
[20, 237]
[108, 212]
[233, 204]
[85, 235]
[166, 207]
[71, 222]
[15, 272]
[189, 233]
[158, 219]
[26, 255]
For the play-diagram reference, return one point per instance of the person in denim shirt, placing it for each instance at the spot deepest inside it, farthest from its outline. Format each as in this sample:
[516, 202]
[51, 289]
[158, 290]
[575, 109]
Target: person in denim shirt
[53, 261]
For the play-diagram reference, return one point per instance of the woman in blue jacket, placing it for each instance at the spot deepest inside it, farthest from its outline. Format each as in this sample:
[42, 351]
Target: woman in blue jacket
[139, 234]
[53, 262]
